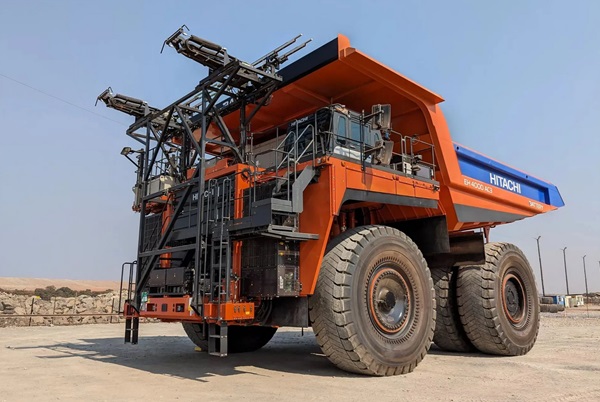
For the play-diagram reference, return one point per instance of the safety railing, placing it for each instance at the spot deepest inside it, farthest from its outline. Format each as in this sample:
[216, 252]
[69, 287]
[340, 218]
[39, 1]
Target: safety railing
[298, 143]
[421, 153]
[414, 152]
[130, 283]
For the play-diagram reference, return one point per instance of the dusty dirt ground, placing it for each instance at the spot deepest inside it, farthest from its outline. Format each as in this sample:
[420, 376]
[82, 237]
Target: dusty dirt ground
[90, 362]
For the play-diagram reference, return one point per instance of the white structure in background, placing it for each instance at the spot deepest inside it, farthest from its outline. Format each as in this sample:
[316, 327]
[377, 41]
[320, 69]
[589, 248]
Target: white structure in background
[574, 301]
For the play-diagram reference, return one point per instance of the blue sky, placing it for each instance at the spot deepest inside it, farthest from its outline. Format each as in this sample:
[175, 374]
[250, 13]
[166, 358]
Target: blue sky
[520, 80]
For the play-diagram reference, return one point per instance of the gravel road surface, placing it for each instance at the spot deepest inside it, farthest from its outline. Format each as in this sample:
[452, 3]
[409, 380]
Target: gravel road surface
[90, 362]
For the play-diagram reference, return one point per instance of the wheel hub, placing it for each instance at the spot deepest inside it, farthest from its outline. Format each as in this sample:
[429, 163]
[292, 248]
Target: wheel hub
[514, 298]
[389, 300]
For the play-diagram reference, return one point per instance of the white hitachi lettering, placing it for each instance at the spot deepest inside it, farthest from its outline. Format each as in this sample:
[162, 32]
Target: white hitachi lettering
[505, 183]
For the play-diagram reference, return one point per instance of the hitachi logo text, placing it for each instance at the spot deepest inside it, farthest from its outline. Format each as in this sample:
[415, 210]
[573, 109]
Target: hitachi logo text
[503, 182]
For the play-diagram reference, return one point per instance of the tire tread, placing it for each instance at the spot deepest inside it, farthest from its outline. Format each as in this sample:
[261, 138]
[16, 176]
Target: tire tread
[449, 333]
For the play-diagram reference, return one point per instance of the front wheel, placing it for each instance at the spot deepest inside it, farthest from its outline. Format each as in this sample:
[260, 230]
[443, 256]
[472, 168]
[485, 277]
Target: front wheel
[373, 310]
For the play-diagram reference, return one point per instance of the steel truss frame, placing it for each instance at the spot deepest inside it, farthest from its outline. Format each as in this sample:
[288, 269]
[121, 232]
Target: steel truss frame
[231, 85]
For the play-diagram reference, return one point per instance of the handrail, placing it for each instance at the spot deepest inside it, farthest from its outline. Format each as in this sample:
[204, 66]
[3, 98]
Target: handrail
[295, 143]
[408, 151]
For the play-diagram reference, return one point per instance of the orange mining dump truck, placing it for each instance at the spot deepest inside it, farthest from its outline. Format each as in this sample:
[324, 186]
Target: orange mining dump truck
[327, 193]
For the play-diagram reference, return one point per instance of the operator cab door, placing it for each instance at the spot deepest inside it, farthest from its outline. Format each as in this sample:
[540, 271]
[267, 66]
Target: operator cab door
[347, 136]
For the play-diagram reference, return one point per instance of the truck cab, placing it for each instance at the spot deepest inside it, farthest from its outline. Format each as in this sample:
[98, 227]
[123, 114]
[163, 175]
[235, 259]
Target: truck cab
[339, 130]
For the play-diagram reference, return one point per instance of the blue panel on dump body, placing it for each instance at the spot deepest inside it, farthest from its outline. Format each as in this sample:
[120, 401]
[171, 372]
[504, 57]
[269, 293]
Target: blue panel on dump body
[484, 169]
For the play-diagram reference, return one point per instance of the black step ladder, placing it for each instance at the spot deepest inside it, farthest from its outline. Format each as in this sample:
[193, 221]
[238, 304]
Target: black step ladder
[219, 269]
[217, 339]
[132, 326]
[221, 192]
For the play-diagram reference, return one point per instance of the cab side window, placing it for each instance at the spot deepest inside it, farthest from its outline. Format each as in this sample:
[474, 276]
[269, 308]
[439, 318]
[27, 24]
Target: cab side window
[355, 133]
[341, 129]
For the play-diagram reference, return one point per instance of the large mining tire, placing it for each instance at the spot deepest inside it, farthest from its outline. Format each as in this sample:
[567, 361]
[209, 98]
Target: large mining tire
[498, 302]
[449, 334]
[373, 310]
[239, 339]
[549, 308]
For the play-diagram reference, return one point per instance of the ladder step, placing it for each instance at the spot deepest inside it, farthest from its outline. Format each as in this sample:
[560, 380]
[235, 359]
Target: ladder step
[283, 228]
[217, 340]
[131, 330]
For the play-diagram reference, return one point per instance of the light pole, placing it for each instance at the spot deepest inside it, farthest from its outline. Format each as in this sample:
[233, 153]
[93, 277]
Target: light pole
[567, 275]
[586, 288]
[541, 269]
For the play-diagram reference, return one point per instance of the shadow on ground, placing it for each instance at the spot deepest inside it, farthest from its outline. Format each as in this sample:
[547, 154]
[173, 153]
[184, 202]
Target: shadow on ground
[288, 352]
[175, 356]
[435, 350]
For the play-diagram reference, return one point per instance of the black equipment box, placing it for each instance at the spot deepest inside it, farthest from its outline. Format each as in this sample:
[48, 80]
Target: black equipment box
[270, 267]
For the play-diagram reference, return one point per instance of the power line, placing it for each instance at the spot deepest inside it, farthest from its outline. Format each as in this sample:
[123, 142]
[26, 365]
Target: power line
[60, 99]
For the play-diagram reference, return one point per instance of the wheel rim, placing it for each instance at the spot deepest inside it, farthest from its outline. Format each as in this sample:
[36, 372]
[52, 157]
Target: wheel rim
[389, 300]
[514, 298]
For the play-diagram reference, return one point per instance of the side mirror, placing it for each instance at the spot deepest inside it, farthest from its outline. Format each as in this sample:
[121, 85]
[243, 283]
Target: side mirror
[382, 119]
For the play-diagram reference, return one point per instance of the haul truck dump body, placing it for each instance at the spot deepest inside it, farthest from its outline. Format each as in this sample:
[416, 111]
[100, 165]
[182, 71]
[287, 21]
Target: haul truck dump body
[338, 73]
[268, 197]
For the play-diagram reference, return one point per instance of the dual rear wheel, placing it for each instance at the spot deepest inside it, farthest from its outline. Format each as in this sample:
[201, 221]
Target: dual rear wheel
[492, 308]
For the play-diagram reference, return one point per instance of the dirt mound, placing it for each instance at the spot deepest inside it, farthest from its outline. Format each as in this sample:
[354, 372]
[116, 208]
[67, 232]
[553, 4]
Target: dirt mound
[8, 283]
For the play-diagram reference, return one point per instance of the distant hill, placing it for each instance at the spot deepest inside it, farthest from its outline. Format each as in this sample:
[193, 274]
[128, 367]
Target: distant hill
[9, 283]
